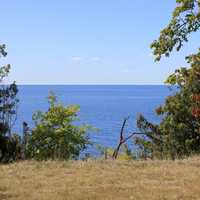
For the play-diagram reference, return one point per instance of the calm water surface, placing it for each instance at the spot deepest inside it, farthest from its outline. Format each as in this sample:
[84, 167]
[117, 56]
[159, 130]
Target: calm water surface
[104, 107]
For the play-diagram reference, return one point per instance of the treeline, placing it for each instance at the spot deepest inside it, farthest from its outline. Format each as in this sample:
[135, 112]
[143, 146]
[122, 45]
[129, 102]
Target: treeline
[177, 135]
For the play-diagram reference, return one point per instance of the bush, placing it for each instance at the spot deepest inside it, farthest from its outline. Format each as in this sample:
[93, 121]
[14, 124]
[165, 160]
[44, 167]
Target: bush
[11, 148]
[55, 135]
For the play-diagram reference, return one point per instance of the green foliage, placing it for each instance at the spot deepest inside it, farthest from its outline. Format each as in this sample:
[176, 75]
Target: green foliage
[8, 99]
[55, 135]
[144, 149]
[8, 107]
[185, 19]
[178, 133]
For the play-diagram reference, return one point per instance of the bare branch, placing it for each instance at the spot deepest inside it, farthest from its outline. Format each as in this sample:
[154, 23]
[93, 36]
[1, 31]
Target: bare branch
[122, 139]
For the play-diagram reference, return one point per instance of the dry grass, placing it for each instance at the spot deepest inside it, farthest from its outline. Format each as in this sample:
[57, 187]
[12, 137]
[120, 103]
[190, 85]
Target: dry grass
[117, 180]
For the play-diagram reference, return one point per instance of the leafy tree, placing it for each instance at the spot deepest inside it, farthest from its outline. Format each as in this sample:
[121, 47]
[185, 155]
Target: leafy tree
[178, 133]
[8, 107]
[55, 135]
[8, 99]
[185, 20]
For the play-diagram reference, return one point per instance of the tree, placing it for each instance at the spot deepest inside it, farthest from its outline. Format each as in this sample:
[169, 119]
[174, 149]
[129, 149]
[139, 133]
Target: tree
[55, 135]
[185, 20]
[8, 99]
[178, 133]
[8, 107]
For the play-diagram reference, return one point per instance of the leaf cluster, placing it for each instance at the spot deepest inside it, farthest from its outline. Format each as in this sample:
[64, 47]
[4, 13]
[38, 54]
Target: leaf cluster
[185, 20]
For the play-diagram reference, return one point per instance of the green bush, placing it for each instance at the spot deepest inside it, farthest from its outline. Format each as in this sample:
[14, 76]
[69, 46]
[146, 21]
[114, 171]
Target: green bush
[55, 135]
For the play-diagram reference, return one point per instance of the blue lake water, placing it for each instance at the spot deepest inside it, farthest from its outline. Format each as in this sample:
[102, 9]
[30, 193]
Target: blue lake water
[103, 106]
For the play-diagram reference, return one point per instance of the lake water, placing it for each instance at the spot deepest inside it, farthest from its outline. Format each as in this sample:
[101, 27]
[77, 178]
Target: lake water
[104, 107]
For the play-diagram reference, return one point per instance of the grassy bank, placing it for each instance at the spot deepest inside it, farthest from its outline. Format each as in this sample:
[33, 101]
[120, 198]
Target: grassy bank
[55, 180]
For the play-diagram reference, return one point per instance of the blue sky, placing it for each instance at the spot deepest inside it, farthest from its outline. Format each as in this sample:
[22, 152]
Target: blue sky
[87, 41]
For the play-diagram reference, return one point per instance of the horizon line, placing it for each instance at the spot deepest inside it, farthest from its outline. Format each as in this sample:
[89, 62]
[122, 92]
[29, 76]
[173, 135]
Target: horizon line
[75, 84]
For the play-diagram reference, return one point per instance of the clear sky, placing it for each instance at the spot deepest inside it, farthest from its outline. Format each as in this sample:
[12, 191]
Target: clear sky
[87, 41]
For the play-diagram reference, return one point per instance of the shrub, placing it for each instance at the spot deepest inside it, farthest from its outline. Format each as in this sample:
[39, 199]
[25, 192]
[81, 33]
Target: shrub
[55, 135]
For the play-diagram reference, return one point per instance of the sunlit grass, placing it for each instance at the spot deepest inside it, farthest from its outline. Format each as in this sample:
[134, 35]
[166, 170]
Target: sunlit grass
[101, 179]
